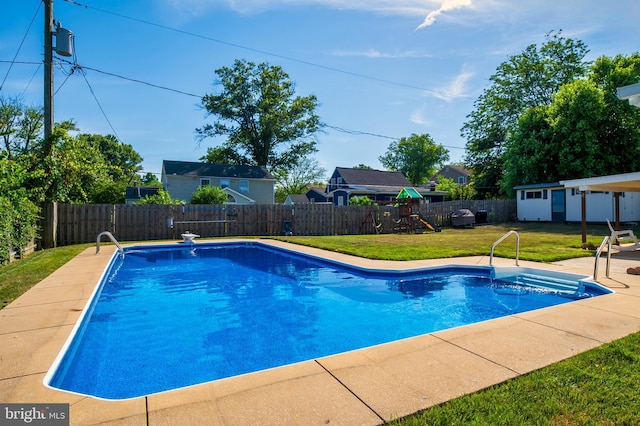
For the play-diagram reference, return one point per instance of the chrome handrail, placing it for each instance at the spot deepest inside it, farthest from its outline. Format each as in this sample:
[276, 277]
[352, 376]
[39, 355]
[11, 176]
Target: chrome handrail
[606, 239]
[112, 238]
[501, 239]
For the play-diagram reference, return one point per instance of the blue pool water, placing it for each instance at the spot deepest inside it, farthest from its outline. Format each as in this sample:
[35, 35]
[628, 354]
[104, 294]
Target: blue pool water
[168, 317]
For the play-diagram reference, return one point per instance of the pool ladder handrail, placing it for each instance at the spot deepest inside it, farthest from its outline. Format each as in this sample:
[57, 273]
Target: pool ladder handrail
[501, 239]
[113, 240]
[607, 240]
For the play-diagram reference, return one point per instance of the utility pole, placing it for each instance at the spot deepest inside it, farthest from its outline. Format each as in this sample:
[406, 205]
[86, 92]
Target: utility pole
[48, 68]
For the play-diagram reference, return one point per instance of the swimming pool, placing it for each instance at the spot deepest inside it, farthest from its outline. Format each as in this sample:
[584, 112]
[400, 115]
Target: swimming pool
[166, 317]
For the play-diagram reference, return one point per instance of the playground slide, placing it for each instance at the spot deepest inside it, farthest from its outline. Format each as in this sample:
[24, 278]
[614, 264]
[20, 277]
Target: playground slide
[434, 228]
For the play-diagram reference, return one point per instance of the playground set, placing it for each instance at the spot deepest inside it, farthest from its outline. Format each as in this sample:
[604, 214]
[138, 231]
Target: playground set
[409, 218]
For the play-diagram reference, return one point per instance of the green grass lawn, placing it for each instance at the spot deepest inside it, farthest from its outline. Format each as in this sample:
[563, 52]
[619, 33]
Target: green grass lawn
[540, 242]
[598, 387]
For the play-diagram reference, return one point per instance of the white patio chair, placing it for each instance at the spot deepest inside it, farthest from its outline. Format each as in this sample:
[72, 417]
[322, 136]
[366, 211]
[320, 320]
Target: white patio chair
[626, 237]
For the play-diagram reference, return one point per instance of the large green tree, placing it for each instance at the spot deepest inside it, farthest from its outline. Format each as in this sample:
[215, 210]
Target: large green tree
[523, 81]
[20, 126]
[265, 123]
[417, 157]
[121, 162]
[585, 131]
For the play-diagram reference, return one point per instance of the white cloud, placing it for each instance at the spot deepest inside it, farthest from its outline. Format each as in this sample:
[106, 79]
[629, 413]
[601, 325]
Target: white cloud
[456, 89]
[419, 8]
[447, 5]
[374, 53]
[418, 117]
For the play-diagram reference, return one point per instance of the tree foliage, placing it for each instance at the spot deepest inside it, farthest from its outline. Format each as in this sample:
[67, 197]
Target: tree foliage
[264, 122]
[20, 126]
[297, 177]
[162, 197]
[209, 195]
[455, 190]
[585, 131]
[417, 157]
[360, 200]
[526, 80]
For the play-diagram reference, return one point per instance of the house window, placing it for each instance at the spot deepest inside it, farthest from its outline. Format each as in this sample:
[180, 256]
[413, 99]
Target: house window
[460, 180]
[534, 195]
[224, 183]
[244, 186]
[205, 182]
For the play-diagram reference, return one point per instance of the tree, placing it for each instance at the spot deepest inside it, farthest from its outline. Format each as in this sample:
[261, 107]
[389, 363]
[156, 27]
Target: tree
[265, 123]
[360, 200]
[121, 162]
[363, 167]
[209, 195]
[456, 191]
[150, 179]
[524, 81]
[162, 197]
[20, 126]
[417, 157]
[224, 155]
[297, 177]
[584, 132]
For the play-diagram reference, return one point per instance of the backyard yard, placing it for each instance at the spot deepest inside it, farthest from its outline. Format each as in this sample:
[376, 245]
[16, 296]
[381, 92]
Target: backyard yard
[595, 387]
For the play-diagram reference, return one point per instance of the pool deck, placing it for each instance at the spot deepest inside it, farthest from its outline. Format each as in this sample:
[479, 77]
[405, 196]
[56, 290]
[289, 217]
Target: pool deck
[363, 387]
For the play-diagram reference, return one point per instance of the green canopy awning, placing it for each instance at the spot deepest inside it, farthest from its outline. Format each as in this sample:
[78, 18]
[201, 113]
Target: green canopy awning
[409, 192]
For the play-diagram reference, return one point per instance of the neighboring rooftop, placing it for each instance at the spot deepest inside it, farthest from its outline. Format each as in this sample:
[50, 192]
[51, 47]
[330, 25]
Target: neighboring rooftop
[189, 168]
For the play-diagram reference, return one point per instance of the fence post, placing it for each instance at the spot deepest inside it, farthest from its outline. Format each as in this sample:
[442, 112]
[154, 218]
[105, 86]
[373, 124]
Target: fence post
[49, 225]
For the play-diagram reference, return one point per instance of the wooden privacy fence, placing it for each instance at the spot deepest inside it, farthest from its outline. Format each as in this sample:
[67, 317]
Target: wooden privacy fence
[65, 224]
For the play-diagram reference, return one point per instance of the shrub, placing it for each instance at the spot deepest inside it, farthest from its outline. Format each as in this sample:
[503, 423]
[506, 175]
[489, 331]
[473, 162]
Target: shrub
[162, 197]
[209, 195]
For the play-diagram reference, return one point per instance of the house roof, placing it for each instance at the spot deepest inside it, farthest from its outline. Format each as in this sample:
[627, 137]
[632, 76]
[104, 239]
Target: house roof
[369, 177]
[137, 192]
[631, 92]
[409, 192]
[539, 186]
[189, 168]
[298, 199]
[625, 182]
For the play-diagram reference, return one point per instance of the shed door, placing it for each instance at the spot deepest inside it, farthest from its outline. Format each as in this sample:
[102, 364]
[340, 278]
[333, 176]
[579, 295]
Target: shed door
[558, 206]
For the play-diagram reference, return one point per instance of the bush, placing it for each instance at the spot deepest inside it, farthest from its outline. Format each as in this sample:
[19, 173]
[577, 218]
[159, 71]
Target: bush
[162, 197]
[209, 195]
[360, 201]
[18, 225]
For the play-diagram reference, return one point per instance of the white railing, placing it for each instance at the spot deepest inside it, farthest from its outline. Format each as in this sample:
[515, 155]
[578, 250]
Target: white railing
[112, 238]
[501, 239]
[606, 240]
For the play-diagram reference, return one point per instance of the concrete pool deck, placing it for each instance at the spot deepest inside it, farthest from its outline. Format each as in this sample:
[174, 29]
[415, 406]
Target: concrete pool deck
[363, 387]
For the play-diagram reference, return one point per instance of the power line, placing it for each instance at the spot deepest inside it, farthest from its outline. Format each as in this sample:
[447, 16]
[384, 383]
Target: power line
[20, 47]
[100, 106]
[288, 58]
[157, 86]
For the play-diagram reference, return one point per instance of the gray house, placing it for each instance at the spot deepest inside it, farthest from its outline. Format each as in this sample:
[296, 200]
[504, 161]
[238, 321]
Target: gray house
[243, 184]
[460, 175]
[382, 187]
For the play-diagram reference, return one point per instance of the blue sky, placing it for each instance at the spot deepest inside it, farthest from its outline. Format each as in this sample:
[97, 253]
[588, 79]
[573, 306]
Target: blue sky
[380, 68]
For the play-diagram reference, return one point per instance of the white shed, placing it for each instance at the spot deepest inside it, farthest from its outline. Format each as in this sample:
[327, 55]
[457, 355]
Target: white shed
[562, 201]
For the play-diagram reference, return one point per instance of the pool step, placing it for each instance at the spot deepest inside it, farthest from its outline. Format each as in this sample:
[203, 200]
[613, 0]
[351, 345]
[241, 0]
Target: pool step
[548, 282]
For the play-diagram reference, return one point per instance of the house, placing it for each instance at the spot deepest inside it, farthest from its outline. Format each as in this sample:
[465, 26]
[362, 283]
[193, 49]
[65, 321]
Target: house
[243, 184]
[381, 186]
[562, 201]
[317, 195]
[630, 93]
[133, 194]
[459, 174]
[296, 199]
